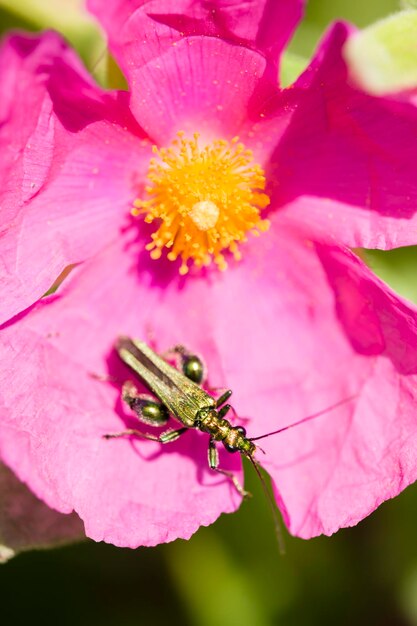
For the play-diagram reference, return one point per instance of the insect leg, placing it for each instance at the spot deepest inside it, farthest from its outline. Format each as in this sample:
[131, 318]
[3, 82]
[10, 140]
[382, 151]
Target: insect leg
[104, 378]
[176, 354]
[166, 437]
[228, 407]
[225, 396]
[225, 409]
[149, 411]
[172, 435]
[146, 407]
[131, 431]
[189, 364]
[213, 459]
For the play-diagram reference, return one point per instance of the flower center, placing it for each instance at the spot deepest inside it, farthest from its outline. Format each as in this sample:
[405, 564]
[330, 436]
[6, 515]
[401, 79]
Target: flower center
[206, 198]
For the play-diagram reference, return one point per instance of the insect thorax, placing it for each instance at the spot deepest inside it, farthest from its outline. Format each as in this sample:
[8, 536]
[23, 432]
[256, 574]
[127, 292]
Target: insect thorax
[221, 429]
[209, 422]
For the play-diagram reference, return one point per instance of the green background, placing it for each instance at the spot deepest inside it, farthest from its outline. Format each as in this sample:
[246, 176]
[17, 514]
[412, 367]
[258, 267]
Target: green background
[230, 573]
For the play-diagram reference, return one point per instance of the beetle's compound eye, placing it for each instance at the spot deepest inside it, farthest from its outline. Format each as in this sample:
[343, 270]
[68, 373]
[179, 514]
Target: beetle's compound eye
[241, 430]
[230, 448]
[193, 369]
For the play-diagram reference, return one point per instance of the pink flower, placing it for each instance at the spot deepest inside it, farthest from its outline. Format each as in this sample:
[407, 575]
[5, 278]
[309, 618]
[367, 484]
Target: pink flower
[299, 324]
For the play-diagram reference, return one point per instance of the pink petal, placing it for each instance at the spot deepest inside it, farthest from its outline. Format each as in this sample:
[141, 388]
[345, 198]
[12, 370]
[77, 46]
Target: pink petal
[71, 160]
[141, 30]
[285, 356]
[332, 335]
[202, 84]
[54, 413]
[185, 70]
[270, 330]
[27, 523]
[346, 165]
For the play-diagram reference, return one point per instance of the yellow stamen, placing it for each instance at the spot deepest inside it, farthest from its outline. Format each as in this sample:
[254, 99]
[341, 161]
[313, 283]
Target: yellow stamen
[207, 199]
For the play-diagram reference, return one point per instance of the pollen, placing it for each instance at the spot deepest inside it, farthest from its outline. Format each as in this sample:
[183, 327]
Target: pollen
[204, 198]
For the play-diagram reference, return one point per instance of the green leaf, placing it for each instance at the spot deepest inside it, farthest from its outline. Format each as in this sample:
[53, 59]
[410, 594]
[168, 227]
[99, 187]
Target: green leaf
[396, 267]
[383, 57]
[291, 67]
[214, 588]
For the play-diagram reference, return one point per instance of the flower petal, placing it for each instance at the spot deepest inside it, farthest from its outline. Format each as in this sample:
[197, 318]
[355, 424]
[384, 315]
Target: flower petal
[346, 166]
[55, 412]
[329, 331]
[201, 85]
[294, 329]
[71, 155]
[200, 68]
[27, 523]
[140, 30]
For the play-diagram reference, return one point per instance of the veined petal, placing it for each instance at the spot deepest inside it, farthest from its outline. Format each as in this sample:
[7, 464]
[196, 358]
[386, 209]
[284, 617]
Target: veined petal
[262, 25]
[201, 84]
[347, 161]
[55, 411]
[203, 68]
[329, 332]
[72, 159]
[27, 523]
[285, 357]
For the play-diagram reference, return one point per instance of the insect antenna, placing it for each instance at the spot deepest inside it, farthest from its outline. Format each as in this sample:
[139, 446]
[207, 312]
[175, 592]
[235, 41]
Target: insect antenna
[306, 419]
[272, 506]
